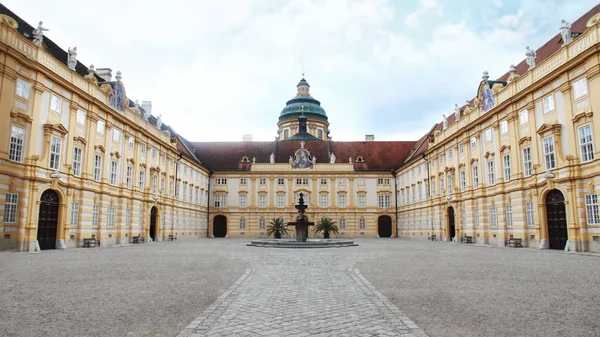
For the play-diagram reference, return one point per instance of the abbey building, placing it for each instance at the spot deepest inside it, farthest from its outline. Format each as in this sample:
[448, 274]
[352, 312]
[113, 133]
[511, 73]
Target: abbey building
[81, 160]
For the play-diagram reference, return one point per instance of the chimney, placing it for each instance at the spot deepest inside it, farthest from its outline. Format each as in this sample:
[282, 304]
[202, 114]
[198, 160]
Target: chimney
[105, 73]
[369, 138]
[147, 106]
[247, 138]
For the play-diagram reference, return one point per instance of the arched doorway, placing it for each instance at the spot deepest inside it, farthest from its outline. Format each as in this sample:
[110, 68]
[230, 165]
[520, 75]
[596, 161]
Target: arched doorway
[451, 226]
[220, 226]
[556, 218]
[153, 214]
[384, 226]
[48, 220]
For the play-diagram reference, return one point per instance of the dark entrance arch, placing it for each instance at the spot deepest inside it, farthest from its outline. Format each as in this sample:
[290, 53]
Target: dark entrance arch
[48, 220]
[153, 214]
[557, 220]
[451, 226]
[384, 226]
[220, 226]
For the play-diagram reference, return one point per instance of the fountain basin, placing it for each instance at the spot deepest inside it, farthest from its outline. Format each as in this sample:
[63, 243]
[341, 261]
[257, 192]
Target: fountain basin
[309, 243]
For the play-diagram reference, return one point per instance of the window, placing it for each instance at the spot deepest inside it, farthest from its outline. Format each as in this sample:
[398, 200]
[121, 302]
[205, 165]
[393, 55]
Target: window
[220, 201]
[450, 154]
[80, 119]
[23, 88]
[475, 172]
[523, 116]
[383, 201]
[319, 133]
[95, 210]
[323, 200]
[113, 172]
[55, 103]
[591, 206]
[509, 221]
[530, 214]
[10, 208]
[580, 88]
[77, 155]
[280, 200]
[506, 163]
[142, 180]
[441, 186]
[302, 181]
[243, 181]
[432, 187]
[476, 215]
[171, 182]
[286, 134]
[503, 127]
[243, 200]
[426, 191]
[342, 181]
[162, 186]
[342, 223]
[548, 103]
[361, 200]
[323, 181]
[262, 200]
[74, 214]
[463, 180]
[127, 217]
[155, 186]
[129, 176]
[473, 142]
[493, 217]
[527, 165]
[17, 137]
[488, 135]
[116, 135]
[342, 200]
[441, 159]
[449, 184]
[55, 153]
[143, 149]
[280, 181]
[490, 167]
[262, 223]
[461, 148]
[361, 181]
[163, 158]
[585, 143]
[97, 167]
[549, 153]
[100, 127]
[111, 216]
[262, 181]
[383, 181]
[154, 153]
[242, 223]
[221, 181]
[361, 223]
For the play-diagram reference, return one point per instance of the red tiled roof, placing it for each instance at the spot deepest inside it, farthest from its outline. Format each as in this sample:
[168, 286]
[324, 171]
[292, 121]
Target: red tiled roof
[227, 156]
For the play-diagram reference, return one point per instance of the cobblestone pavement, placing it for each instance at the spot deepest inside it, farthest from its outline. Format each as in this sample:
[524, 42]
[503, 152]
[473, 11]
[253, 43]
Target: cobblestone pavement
[292, 298]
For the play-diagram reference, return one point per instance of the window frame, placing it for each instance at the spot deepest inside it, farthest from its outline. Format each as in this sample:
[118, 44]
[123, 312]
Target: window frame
[548, 108]
[55, 103]
[586, 149]
[55, 153]
[16, 143]
[549, 156]
[11, 208]
[506, 166]
[592, 211]
[527, 161]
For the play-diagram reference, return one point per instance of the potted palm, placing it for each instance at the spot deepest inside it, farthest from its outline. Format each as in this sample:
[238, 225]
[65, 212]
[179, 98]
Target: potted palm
[277, 228]
[326, 226]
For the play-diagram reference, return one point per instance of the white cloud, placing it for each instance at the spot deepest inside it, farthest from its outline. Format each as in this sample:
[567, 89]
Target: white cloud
[413, 18]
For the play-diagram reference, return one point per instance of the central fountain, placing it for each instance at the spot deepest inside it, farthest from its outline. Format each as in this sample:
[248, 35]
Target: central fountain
[301, 222]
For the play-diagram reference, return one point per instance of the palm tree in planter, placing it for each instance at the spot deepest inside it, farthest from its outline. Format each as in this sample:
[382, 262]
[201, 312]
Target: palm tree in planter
[326, 226]
[277, 228]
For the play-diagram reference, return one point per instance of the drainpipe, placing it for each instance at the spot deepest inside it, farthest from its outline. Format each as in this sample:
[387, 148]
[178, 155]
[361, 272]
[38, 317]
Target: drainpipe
[396, 198]
[424, 156]
[175, 191]
[208, 205]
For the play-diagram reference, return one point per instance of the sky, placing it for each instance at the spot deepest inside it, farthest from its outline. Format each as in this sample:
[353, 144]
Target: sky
[216, 70]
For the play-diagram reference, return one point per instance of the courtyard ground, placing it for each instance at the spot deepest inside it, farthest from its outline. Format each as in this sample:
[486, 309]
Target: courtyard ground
[382, 287]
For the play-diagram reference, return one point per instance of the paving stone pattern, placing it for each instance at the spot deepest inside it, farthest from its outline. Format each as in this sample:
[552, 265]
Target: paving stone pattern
[284, 300]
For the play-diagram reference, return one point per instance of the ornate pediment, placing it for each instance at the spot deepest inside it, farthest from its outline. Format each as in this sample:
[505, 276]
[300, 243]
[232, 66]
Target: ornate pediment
[55, 128]
[552, 128]
[504, 147]
[488, 154]
[302, 158]
[583, 113]
[524, 139]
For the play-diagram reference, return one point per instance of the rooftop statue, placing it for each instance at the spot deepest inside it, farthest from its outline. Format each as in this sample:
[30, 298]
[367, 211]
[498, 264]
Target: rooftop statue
[445, 121]
[272, 158]
[332, 158]
[530, 57]
[72, 58]
[565, 32]
[159, 121]
[38, 34]
[456, 111]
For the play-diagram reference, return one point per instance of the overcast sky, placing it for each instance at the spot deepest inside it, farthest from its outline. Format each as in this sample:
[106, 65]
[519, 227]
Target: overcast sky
[218, 69]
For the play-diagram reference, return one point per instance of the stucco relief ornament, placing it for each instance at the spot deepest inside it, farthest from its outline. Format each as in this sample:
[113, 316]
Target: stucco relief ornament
[444, 121]
[530, 57]
[456, 111]
[72, 58]
[565, 32]
[38, 34]
[332, 158]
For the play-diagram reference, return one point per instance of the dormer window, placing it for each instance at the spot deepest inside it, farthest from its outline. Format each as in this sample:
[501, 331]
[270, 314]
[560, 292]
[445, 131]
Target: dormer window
[360, 159]
[245, 159]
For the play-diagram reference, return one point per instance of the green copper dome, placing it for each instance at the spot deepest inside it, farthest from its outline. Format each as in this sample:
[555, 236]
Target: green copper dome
[303, 102]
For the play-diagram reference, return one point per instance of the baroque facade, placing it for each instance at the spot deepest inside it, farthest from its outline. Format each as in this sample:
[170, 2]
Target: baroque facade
[82, 160]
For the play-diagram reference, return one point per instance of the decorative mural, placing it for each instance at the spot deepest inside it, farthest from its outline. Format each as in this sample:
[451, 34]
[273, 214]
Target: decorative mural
[487, 97]
[302, 158]
[117, 97]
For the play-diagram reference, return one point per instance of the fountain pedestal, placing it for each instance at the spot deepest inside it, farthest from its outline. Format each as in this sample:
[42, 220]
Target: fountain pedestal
[301, 222]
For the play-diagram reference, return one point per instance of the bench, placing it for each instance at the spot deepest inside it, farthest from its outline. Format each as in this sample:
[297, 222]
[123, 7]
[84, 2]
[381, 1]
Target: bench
[172, 237]
[137, 239]
[466, 239]
[513, 242]
[432, 237]
[91, 242]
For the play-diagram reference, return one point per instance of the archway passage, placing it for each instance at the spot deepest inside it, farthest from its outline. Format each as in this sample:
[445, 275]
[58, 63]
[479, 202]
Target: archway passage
[557, 220]
[451, 225]
[48, 220]
[384, 226]
[220, 226]
[153, 215]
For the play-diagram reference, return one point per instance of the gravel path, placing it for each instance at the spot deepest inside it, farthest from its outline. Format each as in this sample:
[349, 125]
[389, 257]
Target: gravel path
[460, 290]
